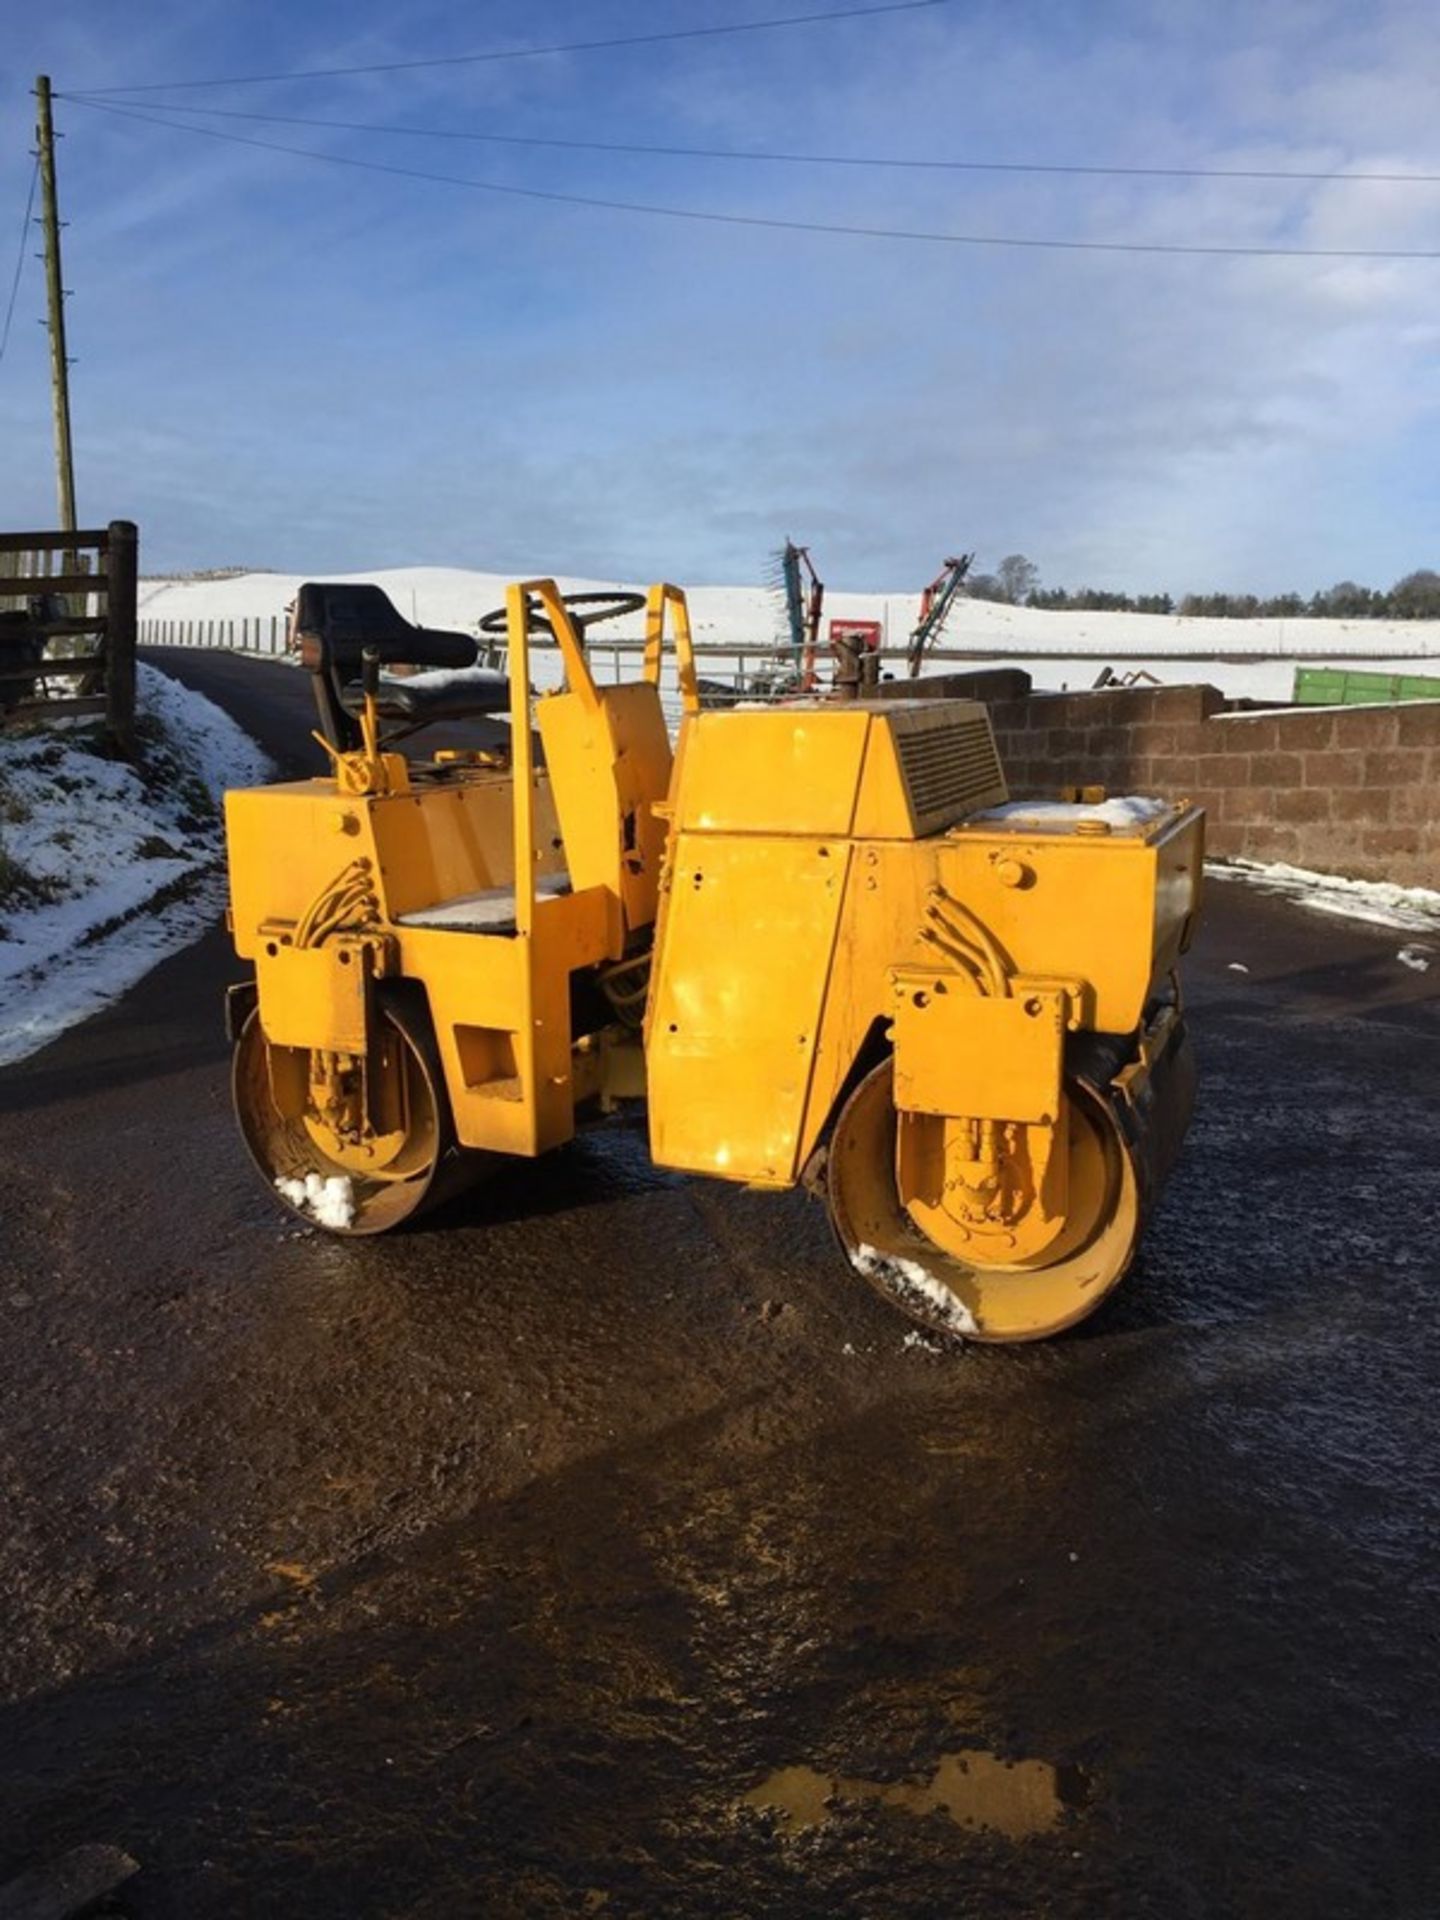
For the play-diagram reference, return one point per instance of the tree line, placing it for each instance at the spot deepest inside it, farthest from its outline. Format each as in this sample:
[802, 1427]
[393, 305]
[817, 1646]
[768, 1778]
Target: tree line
[1016, 582]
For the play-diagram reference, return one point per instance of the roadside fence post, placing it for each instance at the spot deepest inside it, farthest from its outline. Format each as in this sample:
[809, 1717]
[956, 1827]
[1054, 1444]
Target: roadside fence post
[122, 569]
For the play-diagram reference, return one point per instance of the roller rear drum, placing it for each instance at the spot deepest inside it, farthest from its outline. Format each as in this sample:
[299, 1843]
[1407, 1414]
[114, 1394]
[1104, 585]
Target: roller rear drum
[959, 1281]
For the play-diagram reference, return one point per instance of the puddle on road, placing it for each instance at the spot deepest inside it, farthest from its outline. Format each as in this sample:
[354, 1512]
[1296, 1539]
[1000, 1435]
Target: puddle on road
[1016, 1798]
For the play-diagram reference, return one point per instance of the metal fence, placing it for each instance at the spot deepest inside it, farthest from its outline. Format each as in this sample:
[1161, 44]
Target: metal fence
[261, 633]
[265, 634]
[67, 626]
[759, 670]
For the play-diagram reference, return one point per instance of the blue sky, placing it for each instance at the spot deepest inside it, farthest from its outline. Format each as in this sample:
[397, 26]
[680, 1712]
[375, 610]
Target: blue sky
[287, 364]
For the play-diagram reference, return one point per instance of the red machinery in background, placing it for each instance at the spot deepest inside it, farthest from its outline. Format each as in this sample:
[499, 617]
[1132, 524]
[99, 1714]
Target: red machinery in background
[855, 649]
[935, 604]
[855, 645]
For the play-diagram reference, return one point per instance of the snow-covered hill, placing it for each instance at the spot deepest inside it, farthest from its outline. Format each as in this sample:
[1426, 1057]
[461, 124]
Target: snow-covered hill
[1253, 658]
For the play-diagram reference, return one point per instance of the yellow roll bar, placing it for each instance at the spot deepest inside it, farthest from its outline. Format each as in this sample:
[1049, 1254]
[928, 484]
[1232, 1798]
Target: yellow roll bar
[661, 596]
[578, 680]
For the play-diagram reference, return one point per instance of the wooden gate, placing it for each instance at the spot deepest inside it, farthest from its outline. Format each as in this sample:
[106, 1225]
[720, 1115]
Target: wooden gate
[57, 588]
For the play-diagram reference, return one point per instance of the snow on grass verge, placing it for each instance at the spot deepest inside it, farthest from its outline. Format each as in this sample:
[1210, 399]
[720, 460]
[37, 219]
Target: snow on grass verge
[1412, 909]
[106, 868]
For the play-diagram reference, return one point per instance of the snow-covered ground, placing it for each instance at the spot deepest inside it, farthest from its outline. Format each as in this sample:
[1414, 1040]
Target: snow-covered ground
[1409, 910]
[104, 868]
[1252, 659]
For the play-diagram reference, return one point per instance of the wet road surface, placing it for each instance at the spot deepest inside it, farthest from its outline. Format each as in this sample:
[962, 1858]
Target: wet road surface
[602, 1547]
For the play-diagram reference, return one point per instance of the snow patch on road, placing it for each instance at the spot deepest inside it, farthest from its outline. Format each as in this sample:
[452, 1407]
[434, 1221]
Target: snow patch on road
[105, 868]
[1412, 909]
[901, 1277]
[329, 1202]
[917, 1342]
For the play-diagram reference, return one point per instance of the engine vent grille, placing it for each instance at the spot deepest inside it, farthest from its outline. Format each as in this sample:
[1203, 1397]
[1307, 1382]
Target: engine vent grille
[949, 765]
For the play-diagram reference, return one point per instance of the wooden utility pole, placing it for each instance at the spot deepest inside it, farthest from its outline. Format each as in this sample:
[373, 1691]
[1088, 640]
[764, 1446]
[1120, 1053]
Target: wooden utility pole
[55, 301]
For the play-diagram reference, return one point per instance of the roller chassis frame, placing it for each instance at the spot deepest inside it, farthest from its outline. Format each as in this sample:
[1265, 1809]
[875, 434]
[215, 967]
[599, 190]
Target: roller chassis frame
[990, 1175]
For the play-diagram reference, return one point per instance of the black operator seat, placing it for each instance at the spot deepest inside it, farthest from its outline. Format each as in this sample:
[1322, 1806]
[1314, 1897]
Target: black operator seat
[334, 623]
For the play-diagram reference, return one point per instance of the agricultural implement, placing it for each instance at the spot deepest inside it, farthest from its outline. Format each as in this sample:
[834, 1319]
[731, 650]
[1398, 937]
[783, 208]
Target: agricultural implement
[935, 604]
[814, 939]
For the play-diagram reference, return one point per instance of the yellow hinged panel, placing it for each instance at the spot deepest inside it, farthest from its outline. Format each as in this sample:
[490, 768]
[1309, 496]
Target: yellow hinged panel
[579, 760]
[608, 764]
[314, 997]
[740, 982]
[965, 1054]
[793, 769]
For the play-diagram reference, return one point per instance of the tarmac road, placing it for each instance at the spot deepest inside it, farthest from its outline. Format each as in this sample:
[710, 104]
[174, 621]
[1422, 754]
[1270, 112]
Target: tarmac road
[500, 1568]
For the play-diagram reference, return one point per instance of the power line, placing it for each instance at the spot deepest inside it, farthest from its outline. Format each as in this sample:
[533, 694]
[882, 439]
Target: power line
[790, 159]
[533, 53]
[771, 222]
[20, 257]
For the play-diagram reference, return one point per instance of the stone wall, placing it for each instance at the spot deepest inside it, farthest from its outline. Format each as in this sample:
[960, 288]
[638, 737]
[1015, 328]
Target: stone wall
[1351, 790]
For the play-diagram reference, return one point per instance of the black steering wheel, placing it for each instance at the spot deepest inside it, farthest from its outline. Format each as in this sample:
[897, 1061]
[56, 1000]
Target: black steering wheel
[607, 606]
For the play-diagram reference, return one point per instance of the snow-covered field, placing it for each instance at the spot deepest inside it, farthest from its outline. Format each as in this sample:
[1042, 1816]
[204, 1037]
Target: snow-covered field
[106, 869]
[1253, 659]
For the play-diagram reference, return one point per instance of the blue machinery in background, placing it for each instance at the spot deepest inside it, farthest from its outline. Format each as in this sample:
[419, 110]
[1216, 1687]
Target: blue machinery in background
[804, 592]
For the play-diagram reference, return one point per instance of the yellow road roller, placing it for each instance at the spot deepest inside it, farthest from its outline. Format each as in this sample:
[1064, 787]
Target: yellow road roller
[816, 939]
